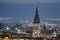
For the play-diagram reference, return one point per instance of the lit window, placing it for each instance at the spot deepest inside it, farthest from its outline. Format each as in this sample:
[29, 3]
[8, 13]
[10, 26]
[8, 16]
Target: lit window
[39, 32]
[35, 32]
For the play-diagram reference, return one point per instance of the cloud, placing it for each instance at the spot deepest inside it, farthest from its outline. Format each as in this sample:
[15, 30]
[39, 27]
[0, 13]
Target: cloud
[52, 19]
[5, 18]
[9, 20]
[1, 19]
[30, 1]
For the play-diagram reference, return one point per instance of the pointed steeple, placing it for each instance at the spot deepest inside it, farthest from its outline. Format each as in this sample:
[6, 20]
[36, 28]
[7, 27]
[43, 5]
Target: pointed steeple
[36, 18]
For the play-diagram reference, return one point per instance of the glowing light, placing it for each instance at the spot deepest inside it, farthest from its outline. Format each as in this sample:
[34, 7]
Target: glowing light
[35, 32]
[6, 38]
[16, 28]
[7, 28]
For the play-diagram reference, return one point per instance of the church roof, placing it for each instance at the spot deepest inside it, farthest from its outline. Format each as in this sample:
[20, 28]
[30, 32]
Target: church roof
[36, 18]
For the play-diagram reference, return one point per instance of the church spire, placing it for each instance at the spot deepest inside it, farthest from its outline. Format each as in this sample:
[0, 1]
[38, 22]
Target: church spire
[36, 18]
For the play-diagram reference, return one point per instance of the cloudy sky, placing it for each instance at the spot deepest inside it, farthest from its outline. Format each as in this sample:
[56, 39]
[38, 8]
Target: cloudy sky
[25, 9]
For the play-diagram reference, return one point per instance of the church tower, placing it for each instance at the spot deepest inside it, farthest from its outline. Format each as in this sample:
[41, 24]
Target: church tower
[36, 25]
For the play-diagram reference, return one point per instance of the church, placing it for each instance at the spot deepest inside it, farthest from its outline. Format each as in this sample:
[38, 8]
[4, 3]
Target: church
[36, 25]
[39, 31]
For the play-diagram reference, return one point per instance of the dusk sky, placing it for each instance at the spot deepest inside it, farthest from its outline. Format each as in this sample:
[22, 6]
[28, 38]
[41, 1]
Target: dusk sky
[25, 9]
